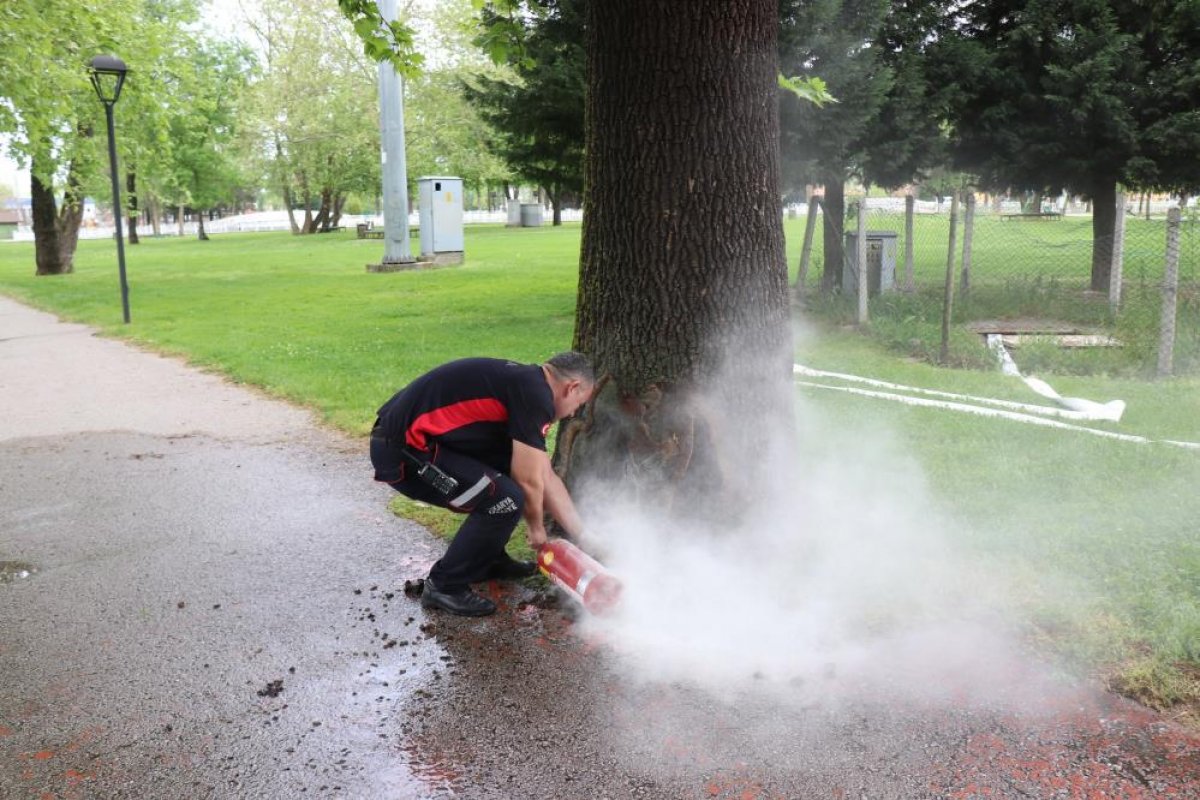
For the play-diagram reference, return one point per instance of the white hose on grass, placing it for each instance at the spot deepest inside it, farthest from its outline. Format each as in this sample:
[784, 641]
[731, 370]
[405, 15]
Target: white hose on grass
[970, 408]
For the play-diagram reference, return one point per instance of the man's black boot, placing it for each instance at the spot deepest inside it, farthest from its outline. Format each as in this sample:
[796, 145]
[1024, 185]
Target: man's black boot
[507, 568]
[463, 602]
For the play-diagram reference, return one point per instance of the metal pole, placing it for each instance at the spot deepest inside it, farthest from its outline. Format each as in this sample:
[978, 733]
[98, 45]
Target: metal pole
[1116, 276]
[1170, 295]
[112, 163]
[948, 295]
[909, 203]
[397, 247]
[860, 260]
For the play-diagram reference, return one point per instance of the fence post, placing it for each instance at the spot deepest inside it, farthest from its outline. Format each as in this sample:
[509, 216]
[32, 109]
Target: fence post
[860, 261]
[1115, 274]
[810, 225]
[948, 297]
[1170, 291]
[909, 204]
[968, 235]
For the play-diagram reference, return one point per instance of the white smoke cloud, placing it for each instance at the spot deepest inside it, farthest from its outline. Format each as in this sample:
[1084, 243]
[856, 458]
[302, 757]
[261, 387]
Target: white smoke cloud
[844, 568]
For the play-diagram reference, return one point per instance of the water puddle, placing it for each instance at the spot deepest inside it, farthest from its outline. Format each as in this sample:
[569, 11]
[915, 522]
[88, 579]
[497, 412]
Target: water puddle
[13, 571]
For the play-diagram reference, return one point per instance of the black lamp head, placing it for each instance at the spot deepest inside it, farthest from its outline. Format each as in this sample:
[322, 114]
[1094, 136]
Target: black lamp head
[108, 76]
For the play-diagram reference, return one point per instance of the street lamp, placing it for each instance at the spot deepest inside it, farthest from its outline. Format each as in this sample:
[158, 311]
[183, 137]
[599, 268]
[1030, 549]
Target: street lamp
[108, 76]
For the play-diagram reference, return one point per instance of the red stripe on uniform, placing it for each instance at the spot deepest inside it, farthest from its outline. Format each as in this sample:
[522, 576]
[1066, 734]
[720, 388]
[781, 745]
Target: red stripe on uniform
[456, 415]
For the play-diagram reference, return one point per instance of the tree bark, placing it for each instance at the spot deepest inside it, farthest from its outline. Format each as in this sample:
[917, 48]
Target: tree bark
[1104, 220]
[683, 301]
[154, 208]
[321, 222]
[55, 230]
[132, 199]
[287, 201]
[200, 234]
[555, 196]
[833, 223]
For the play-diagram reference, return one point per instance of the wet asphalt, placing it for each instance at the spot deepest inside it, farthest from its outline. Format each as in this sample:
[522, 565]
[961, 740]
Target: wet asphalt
[215, 608]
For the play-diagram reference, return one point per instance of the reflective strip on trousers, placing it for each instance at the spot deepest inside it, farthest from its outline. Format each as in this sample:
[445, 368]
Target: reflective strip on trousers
[472, 493]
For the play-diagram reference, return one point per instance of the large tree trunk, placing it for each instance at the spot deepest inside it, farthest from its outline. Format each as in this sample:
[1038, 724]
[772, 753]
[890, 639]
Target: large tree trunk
[131, 196]
[833, 224]
[200, 233]
[55, 231]
[683, 301]
[1104, 220]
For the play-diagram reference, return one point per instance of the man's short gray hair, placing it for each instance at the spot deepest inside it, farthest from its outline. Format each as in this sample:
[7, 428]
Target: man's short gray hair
[572, 366]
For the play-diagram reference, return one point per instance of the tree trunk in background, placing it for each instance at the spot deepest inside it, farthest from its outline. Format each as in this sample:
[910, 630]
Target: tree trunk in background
[132, 199]
[179, 219]
[683, 301]
[321, 222]
[339, 200]
[555, 197]
[1104, 220]
[833, 219]
[154, 208]
[200, 234]
[55, 231]
[287, 201]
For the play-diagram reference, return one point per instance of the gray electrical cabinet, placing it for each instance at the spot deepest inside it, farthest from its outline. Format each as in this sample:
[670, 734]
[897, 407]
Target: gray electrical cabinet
[881, 263]
[440, 203]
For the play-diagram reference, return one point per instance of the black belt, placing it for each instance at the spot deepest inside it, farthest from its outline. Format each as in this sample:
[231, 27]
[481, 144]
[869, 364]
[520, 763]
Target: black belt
[425, 470]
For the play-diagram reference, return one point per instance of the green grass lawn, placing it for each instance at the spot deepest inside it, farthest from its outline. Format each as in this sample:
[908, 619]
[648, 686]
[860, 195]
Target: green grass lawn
[1100, 536]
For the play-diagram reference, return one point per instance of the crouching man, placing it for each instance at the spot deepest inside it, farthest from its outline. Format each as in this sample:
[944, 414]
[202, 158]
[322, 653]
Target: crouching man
[470, 436]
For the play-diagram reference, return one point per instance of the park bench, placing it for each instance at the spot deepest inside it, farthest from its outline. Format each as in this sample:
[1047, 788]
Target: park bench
[1049, 216]
[368, 231]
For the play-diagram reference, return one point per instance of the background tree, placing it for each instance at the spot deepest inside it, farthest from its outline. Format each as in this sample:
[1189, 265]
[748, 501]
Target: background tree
[1047, 97]
[445, 134]
[207, 89]
[538, 112]
[315, 109]
[50, 111]
[825, 144]
[907, 139]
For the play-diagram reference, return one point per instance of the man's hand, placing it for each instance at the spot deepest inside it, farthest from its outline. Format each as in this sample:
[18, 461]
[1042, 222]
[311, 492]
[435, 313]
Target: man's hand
[536, 536]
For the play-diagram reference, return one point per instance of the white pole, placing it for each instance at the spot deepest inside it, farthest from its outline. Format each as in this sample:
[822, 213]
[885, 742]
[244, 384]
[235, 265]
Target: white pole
[397, 247]
[1118, 256]
[860, 260]
[1170, 293]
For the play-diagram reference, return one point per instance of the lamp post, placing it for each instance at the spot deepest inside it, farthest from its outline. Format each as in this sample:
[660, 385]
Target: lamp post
[108, 76]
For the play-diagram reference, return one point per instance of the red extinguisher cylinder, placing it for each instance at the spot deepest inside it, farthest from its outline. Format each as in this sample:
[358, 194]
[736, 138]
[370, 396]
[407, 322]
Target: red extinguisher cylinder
[580, 575]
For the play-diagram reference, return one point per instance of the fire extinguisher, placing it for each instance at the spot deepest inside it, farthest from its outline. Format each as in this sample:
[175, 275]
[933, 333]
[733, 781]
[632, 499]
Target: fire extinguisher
[580, 575]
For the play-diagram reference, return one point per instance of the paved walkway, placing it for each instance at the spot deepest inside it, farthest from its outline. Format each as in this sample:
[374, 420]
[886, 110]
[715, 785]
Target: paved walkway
[217, 611]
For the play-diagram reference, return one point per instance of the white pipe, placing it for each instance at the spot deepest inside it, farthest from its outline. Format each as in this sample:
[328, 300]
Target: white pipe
[993, 412]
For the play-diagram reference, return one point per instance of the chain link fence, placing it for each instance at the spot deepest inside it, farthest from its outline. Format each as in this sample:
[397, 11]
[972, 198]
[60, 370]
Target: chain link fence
[1026, 275]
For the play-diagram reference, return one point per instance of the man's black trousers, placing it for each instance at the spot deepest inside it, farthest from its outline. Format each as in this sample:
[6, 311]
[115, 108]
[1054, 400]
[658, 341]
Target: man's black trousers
[492, 501]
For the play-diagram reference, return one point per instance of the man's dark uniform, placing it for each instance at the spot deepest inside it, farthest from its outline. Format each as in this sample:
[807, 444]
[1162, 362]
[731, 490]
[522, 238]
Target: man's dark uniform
[463, 417]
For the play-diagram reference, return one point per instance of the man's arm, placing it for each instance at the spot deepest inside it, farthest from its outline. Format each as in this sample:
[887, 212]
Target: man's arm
[529, 469]
[560, 505]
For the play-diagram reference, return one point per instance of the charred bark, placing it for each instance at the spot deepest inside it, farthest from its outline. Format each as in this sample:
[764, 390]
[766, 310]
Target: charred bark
[683, 300]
